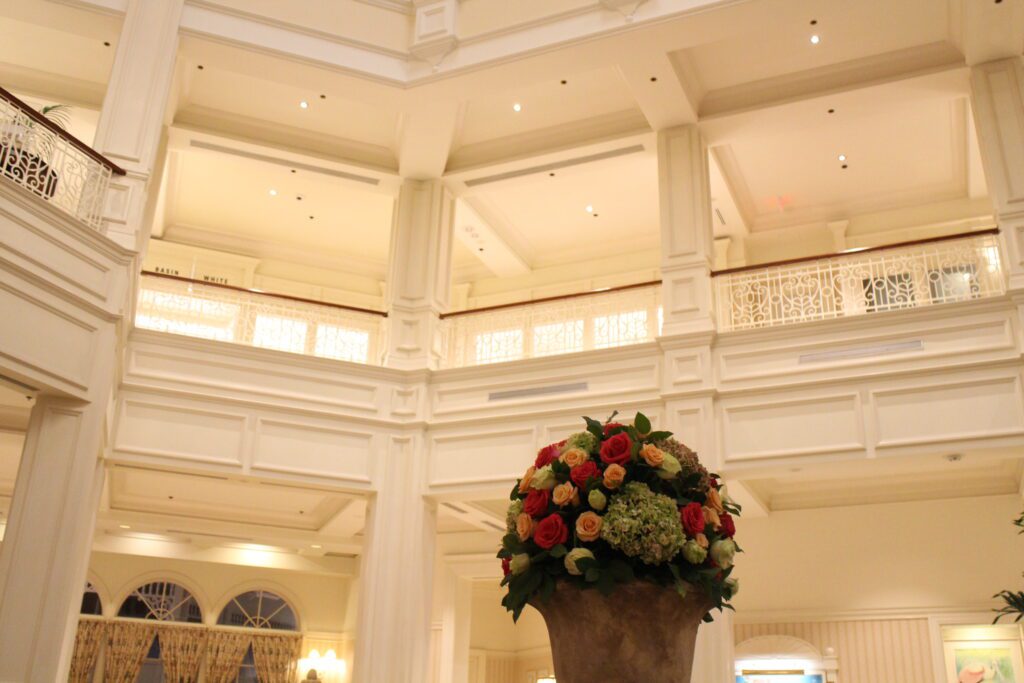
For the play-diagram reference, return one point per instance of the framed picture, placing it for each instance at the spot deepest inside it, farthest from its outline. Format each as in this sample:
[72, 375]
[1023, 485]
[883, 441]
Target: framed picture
[983, 661]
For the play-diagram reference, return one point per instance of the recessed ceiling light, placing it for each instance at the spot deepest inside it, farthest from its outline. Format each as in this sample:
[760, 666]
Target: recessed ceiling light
[815, 39]
[273, 192]
[842, 157]
[199, 66]
[304, 104]
[517, 107]
[124, 526]
[846, 166]
[106, 43]
[322, 96]
[831, 111]
[590, 208]
[316, 545]
[814, 22]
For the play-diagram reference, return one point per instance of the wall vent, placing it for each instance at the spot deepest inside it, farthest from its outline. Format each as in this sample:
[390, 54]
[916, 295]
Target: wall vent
[862, 352]
[199, 144]
[554, 166]
[537, 391]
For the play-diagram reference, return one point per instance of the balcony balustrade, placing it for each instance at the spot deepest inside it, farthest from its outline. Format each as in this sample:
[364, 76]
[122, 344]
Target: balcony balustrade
[271, 321]
[907, 275]
[557, 325]
[47, 161]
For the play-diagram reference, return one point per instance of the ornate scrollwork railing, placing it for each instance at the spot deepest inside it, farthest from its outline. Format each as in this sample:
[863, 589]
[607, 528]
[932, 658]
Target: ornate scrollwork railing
[567, 324]
[924, 273]
[47, 161]
[271, 321]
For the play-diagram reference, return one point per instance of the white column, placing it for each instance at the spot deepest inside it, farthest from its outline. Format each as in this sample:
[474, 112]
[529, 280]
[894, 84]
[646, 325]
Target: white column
[134, 112]
[687, 243]
[45, 553]
[455, 600]
[419, 276]
[997, 97]
[715, 657]
[396, 577]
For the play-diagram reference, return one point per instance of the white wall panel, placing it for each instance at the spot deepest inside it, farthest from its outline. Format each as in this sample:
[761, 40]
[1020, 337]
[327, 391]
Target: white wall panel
[781, 425]
[481, 457]
[303, 448]
[202, 434]
[958, 410]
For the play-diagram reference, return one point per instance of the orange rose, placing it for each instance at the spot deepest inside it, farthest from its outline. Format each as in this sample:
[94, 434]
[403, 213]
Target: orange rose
[712, 518]
[524, 526]
[563, 494]
[652, 455]
[524, 483]
[714, 500]
[574, 457]
[614, 476]
[701, 540]
[588, 526]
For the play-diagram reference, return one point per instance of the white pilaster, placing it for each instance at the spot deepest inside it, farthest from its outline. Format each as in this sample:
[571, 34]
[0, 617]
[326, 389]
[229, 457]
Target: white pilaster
[46, 546]
[715, 656]
[132, 118]
[396, 578]
[455, 595]
[687, 243]
[419, 279]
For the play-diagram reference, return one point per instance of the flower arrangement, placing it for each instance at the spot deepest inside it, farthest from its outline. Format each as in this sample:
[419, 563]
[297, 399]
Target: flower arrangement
[618, 503]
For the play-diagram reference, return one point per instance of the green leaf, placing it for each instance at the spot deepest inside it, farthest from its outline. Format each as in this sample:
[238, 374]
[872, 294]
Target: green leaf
[592, 575]
[594, 427]
[642, 424]
[547, 588]
[558, 551]
[658, 436]
[620, 570]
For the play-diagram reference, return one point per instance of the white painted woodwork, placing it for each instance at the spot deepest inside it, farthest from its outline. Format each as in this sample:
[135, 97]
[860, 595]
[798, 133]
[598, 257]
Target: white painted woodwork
[419, 279]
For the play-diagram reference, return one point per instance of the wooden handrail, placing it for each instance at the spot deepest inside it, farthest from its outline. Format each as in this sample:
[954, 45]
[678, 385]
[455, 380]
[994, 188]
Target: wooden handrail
[57, 130]
[561, 297]
[288, 297]
[894, 245]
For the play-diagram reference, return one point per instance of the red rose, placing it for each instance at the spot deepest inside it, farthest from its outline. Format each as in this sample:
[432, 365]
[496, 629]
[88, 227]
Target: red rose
[728, 526]
[692, 517]
[550, 532]
[506, 566]
[617, 449]
[536, 503]
[610, 426]
[581, 473]
[546, 455]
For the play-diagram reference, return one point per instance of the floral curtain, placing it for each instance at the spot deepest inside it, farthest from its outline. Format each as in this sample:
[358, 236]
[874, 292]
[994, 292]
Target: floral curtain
[277, 656]
[88, 640]
[127, 645]
[181, 651]
[224, 653]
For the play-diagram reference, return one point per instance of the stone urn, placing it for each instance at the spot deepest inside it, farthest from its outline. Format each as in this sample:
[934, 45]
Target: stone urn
[640, 633]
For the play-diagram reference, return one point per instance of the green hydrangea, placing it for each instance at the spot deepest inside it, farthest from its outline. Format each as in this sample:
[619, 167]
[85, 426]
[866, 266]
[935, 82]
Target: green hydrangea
[585, 441]
[514, 511]
[643, 524]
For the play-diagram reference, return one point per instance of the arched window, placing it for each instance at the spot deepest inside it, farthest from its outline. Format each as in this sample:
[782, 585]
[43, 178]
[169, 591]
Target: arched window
[162, 601]
[91, 603]
[257, 609]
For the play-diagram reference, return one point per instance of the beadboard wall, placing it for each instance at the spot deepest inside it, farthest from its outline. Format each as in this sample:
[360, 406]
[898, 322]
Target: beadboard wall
[869, 651]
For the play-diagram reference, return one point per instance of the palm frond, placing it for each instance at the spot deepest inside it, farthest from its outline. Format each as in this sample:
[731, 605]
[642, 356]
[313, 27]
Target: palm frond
[57, 114]
[1014, 605]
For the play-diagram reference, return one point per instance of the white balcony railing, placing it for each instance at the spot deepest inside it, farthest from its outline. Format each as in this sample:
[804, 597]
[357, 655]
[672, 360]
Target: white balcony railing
[922, 273]
[50, 163]
[596, 320]
[270, 321]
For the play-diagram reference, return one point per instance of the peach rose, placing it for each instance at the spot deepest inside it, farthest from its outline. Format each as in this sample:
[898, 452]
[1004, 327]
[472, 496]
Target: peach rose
[652, 455]
[701, 540]
[712, 518]
[524, 526]
[563, 494]
[614, 476]
[574, 457]
[588, 526]
[524, 483]
[714, 500]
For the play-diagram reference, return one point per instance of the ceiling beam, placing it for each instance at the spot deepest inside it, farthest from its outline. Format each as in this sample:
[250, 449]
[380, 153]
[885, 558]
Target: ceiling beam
[666, 90]
[987, 31]
[489, 240]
